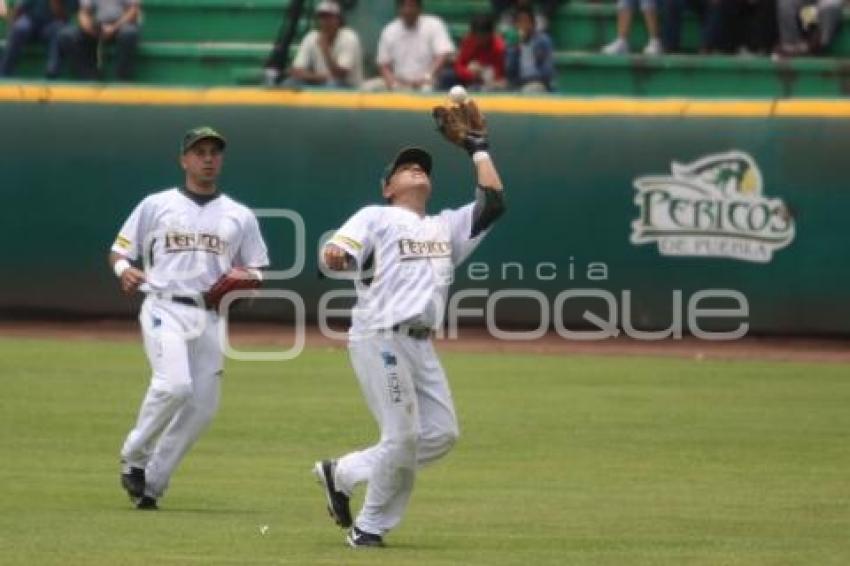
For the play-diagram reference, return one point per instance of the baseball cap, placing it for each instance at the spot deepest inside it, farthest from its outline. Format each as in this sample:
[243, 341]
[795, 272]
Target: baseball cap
[408, 155]
[195, 135]
[328, 7]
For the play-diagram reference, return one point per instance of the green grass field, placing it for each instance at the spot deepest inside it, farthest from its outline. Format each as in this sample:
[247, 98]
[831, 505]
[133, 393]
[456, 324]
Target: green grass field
[573, 460]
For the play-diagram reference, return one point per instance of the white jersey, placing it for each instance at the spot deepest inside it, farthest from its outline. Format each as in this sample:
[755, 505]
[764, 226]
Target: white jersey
[406, 262]
[187, 244]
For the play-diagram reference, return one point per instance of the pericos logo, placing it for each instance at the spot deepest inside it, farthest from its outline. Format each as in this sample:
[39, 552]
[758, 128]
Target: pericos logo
[187, 242]
[712, 207]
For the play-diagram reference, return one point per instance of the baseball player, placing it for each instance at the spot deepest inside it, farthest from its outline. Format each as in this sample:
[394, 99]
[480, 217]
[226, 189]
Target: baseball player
[402, 260]
[194, 244]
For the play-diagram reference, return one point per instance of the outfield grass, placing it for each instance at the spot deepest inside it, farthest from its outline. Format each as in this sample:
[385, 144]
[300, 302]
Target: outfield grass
[573, 460]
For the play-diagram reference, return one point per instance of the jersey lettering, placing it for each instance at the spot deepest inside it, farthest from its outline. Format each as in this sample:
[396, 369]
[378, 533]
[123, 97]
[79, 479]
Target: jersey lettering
[412, 249]
[182, 242]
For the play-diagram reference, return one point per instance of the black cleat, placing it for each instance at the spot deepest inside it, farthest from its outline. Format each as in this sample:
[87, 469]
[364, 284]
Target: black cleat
[134, 483]
[361, 539]
[146, 503]
[338, 507]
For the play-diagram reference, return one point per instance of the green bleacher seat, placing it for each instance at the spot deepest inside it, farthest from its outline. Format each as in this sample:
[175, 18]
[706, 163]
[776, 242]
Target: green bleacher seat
[700, 76]
[213, 20]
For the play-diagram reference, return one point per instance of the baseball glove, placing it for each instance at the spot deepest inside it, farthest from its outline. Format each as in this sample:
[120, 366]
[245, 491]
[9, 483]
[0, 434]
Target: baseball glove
[463, 125]
[236, 279]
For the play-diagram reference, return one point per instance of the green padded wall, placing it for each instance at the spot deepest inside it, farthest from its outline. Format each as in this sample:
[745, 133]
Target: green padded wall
[72, 172]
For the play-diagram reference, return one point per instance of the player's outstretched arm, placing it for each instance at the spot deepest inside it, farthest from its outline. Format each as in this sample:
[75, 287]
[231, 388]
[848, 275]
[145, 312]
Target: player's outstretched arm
[489, 194]
[486, 172]
[463, 124]
[131, 278]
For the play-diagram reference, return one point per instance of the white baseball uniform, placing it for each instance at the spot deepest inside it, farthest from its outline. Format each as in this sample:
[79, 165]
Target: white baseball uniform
[186, 243]
[399, 302]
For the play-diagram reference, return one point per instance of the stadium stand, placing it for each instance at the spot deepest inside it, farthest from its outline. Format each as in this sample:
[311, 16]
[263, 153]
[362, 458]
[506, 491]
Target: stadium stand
[225, 42]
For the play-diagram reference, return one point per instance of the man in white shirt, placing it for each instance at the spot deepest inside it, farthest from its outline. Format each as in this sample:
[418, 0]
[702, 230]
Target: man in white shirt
[330, 55]
[412, 50]
[182, 240]
[402, 260]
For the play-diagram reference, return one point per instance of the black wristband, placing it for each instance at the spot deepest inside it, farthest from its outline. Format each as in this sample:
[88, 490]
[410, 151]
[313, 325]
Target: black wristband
[475, 141]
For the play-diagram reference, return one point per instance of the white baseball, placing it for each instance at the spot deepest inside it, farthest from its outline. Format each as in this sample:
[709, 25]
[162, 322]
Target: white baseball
[264, 529]
[458, 94]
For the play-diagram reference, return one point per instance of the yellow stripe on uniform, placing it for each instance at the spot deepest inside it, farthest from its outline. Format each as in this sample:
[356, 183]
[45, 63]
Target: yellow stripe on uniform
[348, 241]
[123, 242]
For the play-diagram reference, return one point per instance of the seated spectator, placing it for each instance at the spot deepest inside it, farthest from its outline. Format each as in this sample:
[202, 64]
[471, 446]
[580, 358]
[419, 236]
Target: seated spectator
[625, 10]
[103, 22]
[530, 63]
[412, 50]
[330, 55]
[544, 11]
[715, 24]
[823, 21]
[36, 20]
[753, 25]
[732, 26]
[671, 12]
[480, 65]
[807, 26]
[3, 10]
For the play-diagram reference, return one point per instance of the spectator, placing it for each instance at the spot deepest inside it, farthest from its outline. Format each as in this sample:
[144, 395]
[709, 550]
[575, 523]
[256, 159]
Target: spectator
[480, 65]
[3, 10]
[625, 10]
[753, 25]
[103, 22]
[714, 17]
[330, 55]
[530, 62]
[544, 11]
[671, 12]
[412, 50]
[824, 19]
[720, 28]
[36, 20]
[807, 26]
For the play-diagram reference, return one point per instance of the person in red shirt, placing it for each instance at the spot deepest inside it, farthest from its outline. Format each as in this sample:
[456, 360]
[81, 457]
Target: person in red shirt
[480, 65]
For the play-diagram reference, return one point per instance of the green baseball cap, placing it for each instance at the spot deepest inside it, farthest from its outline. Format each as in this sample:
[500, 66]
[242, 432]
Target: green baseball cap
[195, 135]
[408, 155]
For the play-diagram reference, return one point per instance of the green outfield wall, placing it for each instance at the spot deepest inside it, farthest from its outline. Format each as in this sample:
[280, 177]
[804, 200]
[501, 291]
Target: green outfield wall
[597, 210]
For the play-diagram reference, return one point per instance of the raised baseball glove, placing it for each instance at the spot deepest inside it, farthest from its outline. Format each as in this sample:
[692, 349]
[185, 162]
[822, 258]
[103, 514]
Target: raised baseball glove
[236, 279]
[463, 125]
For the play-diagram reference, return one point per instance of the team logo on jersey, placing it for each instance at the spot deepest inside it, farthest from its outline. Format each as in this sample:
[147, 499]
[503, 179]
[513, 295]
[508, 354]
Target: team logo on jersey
[416, 249]
[187, 242]
[389, 359]
[713, 207]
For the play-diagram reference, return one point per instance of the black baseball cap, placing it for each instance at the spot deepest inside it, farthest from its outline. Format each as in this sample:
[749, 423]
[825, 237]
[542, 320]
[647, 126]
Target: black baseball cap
[195, 135]
[408, 155]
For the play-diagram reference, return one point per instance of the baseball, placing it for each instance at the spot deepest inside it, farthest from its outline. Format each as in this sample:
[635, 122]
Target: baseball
[264, 529]
[458, 94]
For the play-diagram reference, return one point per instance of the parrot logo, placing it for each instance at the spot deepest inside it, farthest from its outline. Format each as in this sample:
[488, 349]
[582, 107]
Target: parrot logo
[712, 207]
[731, 174]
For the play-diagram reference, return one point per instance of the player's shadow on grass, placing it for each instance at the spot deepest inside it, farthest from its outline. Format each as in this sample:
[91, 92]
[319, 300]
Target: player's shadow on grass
[200, 511]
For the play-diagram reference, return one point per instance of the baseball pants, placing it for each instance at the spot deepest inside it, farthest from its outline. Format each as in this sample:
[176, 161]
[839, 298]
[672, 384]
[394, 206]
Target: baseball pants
[182, 346]
[408, 394]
